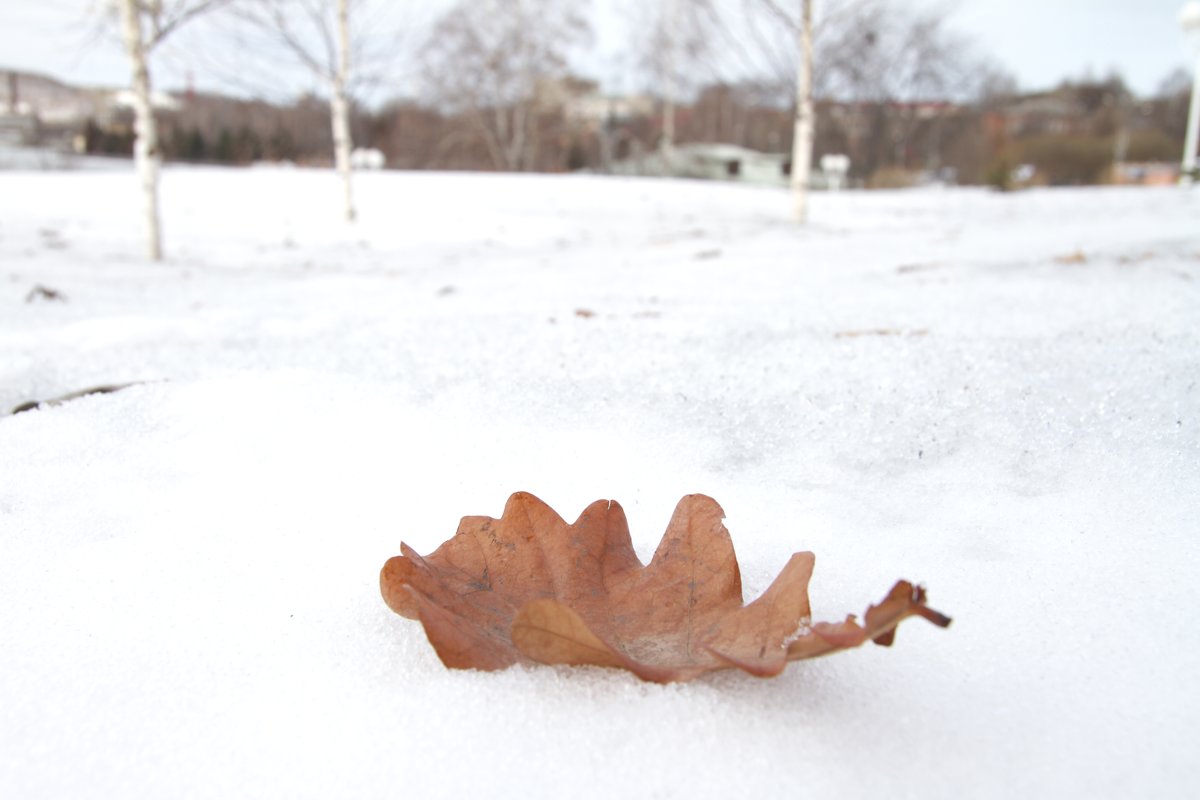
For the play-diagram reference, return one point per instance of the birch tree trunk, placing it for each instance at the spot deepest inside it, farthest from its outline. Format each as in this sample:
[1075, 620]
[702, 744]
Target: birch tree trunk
[802, 142]
[145, 148]
[671, 57]
[339, 105]
[516, 147]
[1187, 169]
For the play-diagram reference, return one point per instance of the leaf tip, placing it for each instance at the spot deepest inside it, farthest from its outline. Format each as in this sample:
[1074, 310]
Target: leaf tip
[695, 503]
[924, 611]
[936, 617]
[393, 585]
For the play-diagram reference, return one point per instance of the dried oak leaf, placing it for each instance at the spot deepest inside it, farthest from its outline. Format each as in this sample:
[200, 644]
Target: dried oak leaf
[528, 588]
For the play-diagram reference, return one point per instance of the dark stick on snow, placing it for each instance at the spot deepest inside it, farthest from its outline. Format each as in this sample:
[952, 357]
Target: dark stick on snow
[58, 401]
[40, 292]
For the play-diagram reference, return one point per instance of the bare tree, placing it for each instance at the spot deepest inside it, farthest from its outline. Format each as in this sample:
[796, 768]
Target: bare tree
[802, 139]
[146, 24]
[677, 53]
[316, 34]
[339, 108]
[870, 52]
[502, 64]
[800, 26]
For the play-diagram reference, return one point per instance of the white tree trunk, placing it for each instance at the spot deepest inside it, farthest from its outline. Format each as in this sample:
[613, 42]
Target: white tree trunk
[668, 135]
[1188, 166]
[339, 106]
[520, 129]
[494, 141]
[671, 58]
[145, 148]
[802, 143]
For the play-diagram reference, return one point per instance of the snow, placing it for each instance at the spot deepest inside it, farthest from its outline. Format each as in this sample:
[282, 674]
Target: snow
[993, 394]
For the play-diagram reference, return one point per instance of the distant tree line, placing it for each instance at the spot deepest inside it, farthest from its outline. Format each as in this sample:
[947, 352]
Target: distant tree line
[489, 85]
[897, 92]
[1071, 135]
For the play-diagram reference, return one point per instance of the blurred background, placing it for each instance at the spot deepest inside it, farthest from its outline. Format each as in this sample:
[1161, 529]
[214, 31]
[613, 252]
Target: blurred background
[905, 93]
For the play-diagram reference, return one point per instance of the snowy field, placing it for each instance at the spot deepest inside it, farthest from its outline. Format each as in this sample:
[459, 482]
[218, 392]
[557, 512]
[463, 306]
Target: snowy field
[996, 395]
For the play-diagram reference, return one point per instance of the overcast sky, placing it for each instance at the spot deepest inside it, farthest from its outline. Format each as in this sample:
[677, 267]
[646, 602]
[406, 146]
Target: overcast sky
[1039, 41]
[1042, 41]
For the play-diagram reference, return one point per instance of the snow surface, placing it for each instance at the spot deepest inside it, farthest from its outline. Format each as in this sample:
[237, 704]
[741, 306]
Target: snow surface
[993, 394]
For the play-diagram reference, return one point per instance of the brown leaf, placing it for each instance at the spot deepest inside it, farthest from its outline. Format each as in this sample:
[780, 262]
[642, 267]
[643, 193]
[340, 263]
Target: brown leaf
[529, 588]
[1077, 257]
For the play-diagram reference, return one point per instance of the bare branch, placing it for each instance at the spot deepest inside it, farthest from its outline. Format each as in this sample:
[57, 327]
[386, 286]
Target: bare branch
[165, 21]
[324, 29]
[273, 19]
[779, 15]
[493, 61]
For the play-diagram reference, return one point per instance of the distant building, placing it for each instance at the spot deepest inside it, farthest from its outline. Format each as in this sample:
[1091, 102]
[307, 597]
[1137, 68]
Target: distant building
[594, 110]
[160, 101]
[1058, 112]
[1153, 173]
[37, 111]
[368, 158]
[717, 162]
[51, 102]
[729, 162]
[18, 130]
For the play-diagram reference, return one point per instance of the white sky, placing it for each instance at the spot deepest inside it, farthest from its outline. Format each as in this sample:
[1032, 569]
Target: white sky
[1039, 41]
[1042, 41]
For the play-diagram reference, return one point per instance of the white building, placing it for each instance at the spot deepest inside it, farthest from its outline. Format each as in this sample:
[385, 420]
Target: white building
[717, 162]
